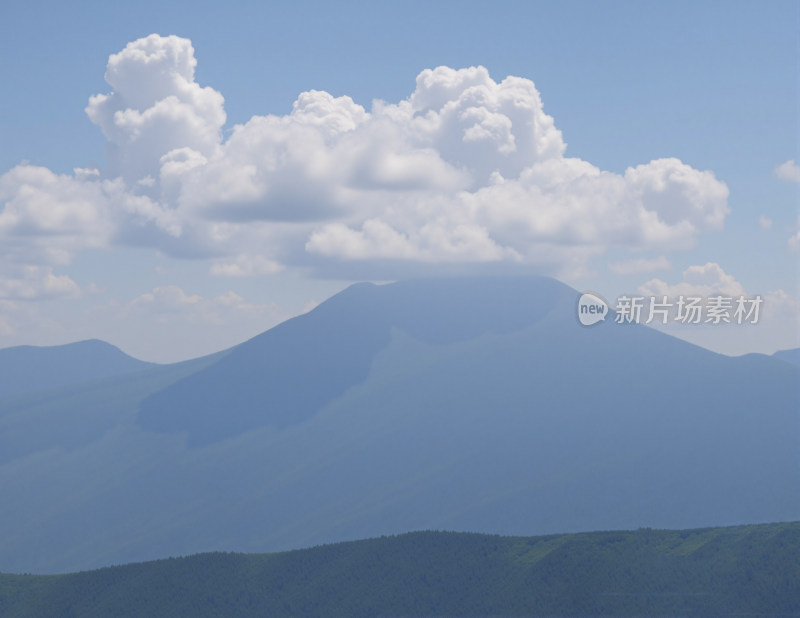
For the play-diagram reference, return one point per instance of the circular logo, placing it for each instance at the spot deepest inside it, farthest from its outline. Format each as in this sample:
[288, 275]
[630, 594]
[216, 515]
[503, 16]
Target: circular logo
[592, 308]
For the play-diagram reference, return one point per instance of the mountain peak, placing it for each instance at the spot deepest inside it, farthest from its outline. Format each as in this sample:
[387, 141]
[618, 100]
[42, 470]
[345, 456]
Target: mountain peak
[287, 374]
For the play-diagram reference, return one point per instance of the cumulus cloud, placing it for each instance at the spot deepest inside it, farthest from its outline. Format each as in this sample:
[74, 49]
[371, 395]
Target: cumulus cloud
[765, 222]
[789, 171]
[773, 324]
[781, 306]
[465, 170]
[155, 106]
[35, 283]
[698, 281]
[778, 312]
[47, 218]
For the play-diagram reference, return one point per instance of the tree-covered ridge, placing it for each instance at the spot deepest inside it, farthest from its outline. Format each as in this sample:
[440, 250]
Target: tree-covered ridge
[747, 570]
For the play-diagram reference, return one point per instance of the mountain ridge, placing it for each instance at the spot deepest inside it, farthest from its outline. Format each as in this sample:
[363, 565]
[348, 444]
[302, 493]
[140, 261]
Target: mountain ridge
[700, 572]
[789, 356]
[22, 367]
[341, 337]
[478, 414]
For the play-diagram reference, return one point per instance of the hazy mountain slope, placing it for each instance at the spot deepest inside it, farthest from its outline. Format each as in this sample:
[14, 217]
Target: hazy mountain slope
[790, 356]
[705, 572]
[464, 404]
[27, 369]
[289, 373]
[77, 415]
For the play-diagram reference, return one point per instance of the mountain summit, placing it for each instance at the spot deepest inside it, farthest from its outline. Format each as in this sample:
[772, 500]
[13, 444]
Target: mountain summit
[286, 375]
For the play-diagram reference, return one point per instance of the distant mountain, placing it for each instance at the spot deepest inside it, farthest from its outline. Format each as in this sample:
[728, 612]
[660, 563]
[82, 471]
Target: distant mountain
[746, 571]
[790, 356]
[27, 369]
[289, 373]
[472, 404]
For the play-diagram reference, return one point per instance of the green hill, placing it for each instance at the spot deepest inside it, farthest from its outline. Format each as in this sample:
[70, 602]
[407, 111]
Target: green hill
[746, 570]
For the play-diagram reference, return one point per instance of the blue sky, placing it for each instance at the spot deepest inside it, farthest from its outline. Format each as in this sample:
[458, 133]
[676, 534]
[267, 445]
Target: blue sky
[665, 165]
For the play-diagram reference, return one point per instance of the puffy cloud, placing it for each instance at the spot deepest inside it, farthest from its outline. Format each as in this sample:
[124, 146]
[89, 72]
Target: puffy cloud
[765, 222]
[35, 283]
[701, 281]
[479, 124]
[51, 215]
[432, 242]
[155, 107]
[553, 205]
[466, 170]
[47, 218]
[780, 305]
[775, 321]
[679, 195]
[788, 170]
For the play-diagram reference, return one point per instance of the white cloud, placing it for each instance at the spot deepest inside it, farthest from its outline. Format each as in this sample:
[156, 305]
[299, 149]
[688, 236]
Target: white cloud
[775, 326]
[679, 194]
[789, 171]
[781, 306]
[46, 219]
[700, 281]
[35, 283]
[45, 216]
[485, 126]
[641, 265]
[155, 106]
[765, 222]
[465, 170]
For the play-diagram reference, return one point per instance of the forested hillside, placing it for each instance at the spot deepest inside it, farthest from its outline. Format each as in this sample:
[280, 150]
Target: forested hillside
[746, 570]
